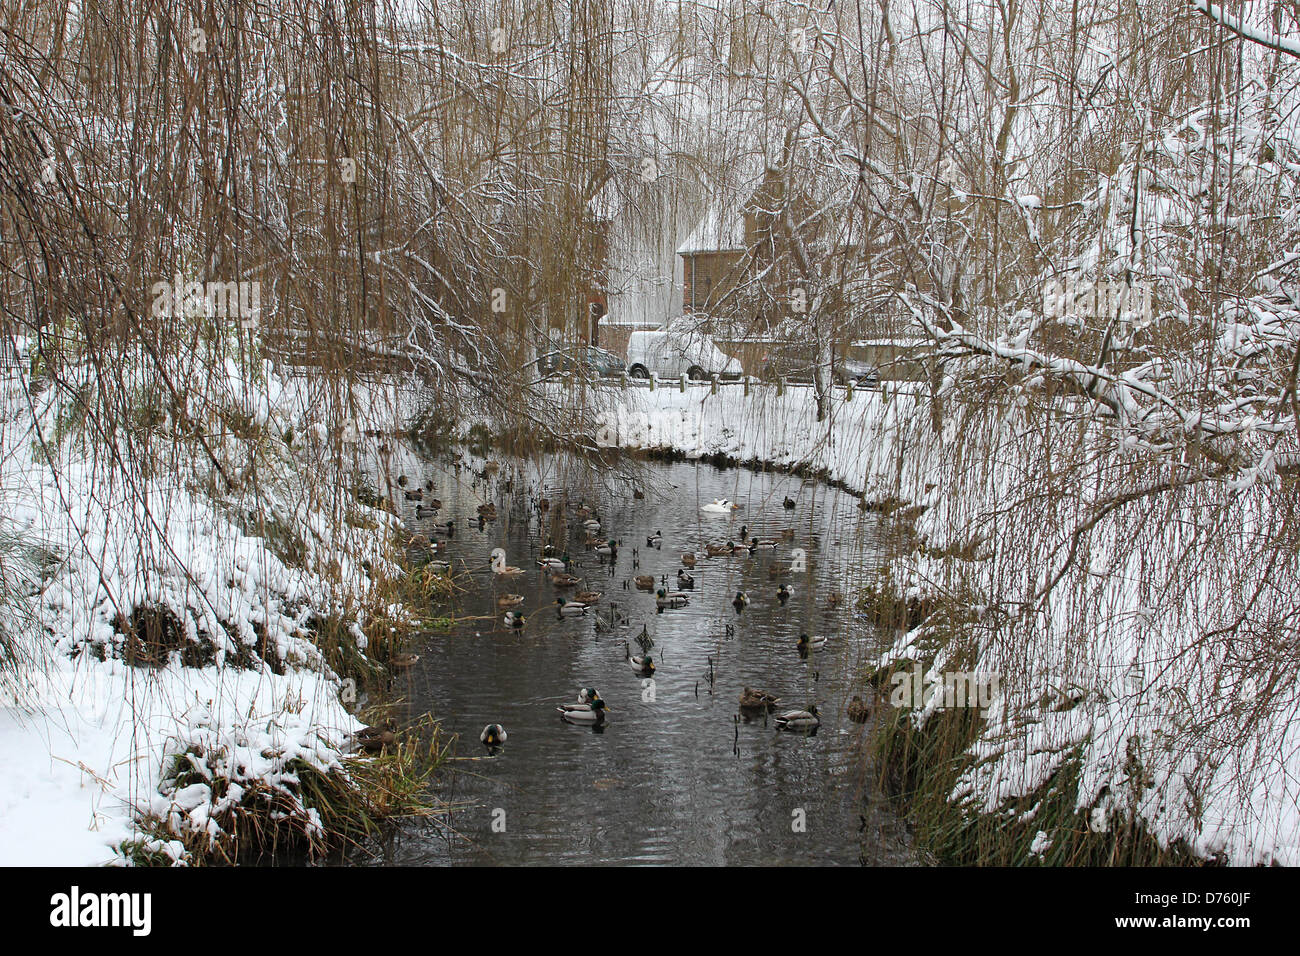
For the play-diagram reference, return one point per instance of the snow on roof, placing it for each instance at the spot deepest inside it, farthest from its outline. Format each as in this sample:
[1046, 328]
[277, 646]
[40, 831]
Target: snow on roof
[721, 228]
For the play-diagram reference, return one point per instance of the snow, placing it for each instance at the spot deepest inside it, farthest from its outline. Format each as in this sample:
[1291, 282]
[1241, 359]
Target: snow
[87, 741]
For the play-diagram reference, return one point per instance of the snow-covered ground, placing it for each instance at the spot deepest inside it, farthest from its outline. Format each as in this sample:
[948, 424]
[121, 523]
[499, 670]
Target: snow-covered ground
[86, 738]
[1130, 665]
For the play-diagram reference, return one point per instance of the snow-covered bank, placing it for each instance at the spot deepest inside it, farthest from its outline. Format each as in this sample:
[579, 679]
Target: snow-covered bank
[168, 583]
[1136, 612]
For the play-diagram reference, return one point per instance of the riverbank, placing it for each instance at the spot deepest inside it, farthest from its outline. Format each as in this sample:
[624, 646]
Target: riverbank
[1141, 698]
[190, 604]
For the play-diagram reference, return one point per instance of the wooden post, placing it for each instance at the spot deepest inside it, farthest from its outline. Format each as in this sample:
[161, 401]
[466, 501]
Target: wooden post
[848, 391]
[654, 377]
[714, 389]
[682, 383]
[746, 385]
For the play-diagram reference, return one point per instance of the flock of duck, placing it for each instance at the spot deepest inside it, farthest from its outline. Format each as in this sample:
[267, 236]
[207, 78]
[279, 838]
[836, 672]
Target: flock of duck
[579, 599]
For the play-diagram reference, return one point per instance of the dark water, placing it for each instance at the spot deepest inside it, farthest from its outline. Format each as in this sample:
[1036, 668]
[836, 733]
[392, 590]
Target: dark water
[673, 779]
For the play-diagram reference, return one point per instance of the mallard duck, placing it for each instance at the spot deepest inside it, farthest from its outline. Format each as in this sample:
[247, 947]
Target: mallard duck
[740, 601]
[859, 710]
[685, 582]
[805, 642]
[403, 661]
[645, 582]
[645, 666]
[438, 567]
[799, 719]
[402, 481]
[569, 608]
[717, 550]
[592, 713]
[777, 570]
[688, 559]
[488, 510]
[587, 597]
[416, 495]
[565, 580]
[513, 619]
[509, 600]
[499, 565]
[655, 540]
[784, 593]
[607, 549]
[719, 506]
[666, 598]
[449, 529]
[554, 564]
[751, 699]
[762, 544]
[494, 735]
[789, 502]
[592, 524]
[377, 738]
[585, 697]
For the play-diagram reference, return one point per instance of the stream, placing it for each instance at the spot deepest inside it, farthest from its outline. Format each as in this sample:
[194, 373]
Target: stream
[675, 775]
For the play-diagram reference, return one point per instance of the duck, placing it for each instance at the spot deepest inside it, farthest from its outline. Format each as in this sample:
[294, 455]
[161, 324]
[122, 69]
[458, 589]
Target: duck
[509, 600]
[655, 540]
[645, 582]
[587, 597]
[859, 710]
[592, 713]
[499, 565]
[377, 738]
[718, 550]
[607, 549]
[438, 566]
[805, 642]
[435, 504]
[666, 598]
[493, 736]
[789, 502]
[565, 580]
[488, 510]
[834, 599]
[751, 699]
[688, 559]
[719, 506]
[645, 666]
[555, 564]
[762, 544]
[784, 593]
[402, 661]
[777, 570]
[685, 582]
[415, 495]
[513, 619]
[799, 719]
[592, 524]
[740, 601]
[566, 608]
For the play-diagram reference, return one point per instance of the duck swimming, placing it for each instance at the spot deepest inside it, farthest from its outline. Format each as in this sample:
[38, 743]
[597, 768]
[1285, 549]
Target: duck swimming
[784, 593]
[493, 736]
[719, 550]
[751, 699]
[645, 666]
[789, 502]
[499, 565]
[655, 540]
[805, 642]
[799, 719]
[720, 506]
[685, 582]
[569, 608]
[592, 713]
[513, 619]
[688, 559]
[740, 601]
[509, 600]
[645, 582]
[665, 598]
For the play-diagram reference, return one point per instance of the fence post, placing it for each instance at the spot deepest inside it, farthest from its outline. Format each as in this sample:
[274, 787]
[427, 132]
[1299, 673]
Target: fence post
[848, 391]
[654, 378]
[780, 385]
[714, 389]
[681, 387]
[746, 385]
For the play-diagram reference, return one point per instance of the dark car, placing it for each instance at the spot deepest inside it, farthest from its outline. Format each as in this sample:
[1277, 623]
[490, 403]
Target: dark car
[586, 358]
[795, 364]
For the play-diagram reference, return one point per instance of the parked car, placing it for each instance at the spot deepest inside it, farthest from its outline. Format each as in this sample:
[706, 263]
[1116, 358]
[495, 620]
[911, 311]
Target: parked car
[795, 364]
[676, 350]
[588, 358]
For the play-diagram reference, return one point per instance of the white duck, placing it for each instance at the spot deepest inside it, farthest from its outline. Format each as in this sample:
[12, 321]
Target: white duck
[720, 506]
